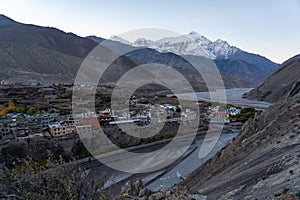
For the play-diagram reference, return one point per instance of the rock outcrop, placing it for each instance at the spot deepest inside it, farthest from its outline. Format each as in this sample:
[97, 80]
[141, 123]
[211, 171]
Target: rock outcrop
[134, 189]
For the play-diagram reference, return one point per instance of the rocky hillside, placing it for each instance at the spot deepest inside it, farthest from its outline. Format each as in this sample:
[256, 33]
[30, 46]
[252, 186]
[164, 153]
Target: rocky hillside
[241, 69]
[184, 67]
[47, 37]
[262, 162]
[280, 83]
[42, 54]
[32, 62]
[30, 53]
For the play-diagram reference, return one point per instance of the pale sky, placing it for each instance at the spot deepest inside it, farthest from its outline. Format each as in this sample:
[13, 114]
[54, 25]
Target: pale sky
[267, 27]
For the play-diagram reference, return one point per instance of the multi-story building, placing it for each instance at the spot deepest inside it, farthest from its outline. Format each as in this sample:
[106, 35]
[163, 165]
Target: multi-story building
[220, 117]
[61, 130]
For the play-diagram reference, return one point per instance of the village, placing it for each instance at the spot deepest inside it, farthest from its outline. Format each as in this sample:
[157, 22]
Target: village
[63, 128]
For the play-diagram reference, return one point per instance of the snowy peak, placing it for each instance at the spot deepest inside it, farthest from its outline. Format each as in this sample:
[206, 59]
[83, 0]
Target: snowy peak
[220, 41]
[119, 39]
[189, 44]
[143, 42]
[197, 37]
[194, 33]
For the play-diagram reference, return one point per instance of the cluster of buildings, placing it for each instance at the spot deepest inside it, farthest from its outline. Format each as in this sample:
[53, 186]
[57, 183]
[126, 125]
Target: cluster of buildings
[109, 117]
[233, 111]
[175, 113]
[82, 123]
[19, 127]
[7, 82]
[147, 114]
[217, 116]
[23, 127]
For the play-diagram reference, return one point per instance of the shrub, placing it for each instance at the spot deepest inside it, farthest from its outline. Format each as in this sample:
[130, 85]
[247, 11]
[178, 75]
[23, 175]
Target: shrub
[143, 101]
[50, 179]
[20, 109]
[161, 95]
[32, 111]
[245, 114]
[63, 111]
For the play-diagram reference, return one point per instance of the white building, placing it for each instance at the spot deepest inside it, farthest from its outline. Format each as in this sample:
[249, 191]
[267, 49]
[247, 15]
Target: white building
[233, 111]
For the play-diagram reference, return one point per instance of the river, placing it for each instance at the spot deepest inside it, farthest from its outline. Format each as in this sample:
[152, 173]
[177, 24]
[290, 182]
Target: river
[192, 162]
[189, 164]
[233, 96]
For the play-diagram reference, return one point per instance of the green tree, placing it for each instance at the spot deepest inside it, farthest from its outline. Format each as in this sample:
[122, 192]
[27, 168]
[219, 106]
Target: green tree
[63, 111]
[32, 111]
[20, 109]
[12, 103]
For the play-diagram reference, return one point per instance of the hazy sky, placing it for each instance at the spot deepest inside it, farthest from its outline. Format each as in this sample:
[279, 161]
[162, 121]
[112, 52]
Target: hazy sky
[267, 27]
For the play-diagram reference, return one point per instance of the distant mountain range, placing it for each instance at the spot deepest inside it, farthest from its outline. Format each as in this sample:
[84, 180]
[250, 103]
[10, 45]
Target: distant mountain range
[45, 54]
[230, 60]
[197, 45]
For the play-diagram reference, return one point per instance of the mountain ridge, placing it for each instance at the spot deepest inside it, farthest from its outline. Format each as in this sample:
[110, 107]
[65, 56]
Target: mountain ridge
[278, 84]
[196, 44]
[6, 20]
[237, 69]
[48, 37]
[189, 44]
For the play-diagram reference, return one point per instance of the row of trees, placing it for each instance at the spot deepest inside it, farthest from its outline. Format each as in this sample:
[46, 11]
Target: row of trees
[12, 107]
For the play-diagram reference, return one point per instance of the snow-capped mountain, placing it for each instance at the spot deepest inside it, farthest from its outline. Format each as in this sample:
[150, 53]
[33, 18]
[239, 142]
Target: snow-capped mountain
[189, 44]
[118, 39]
[231, 61]
[198, 45]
